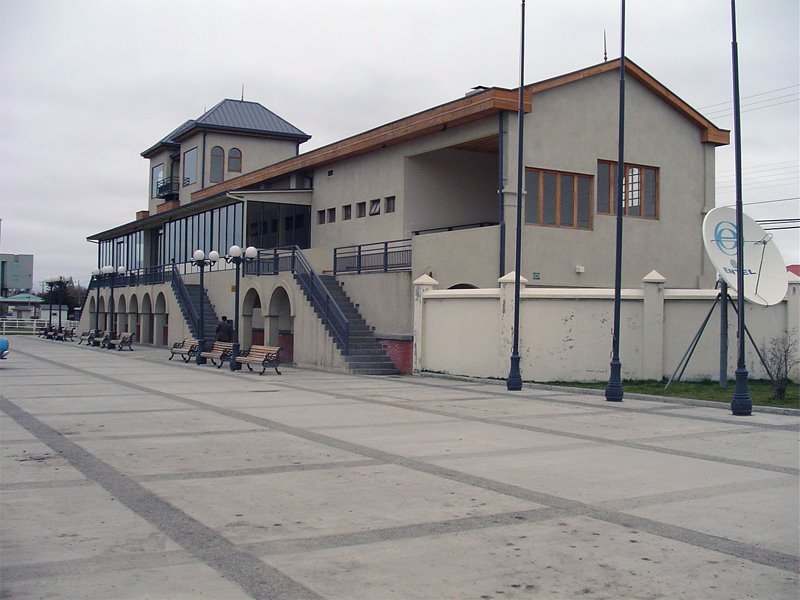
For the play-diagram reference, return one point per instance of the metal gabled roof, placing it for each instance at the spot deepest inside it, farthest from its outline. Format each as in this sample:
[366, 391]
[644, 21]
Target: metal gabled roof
[238, 116]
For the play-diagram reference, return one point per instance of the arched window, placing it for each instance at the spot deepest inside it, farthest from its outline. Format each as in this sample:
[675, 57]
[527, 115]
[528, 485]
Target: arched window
[235, 160]
[217, 164]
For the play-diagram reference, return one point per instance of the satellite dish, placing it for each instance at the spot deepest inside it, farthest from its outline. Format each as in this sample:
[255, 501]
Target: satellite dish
[765, 280]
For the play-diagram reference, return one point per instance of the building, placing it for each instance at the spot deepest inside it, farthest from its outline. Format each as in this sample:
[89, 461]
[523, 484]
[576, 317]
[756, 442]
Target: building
[16, 274]
[432, 193]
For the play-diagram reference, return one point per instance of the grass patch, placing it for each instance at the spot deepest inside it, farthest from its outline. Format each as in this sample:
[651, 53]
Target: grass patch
[760, 390]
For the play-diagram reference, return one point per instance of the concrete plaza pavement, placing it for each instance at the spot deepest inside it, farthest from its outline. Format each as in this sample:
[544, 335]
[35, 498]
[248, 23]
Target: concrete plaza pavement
[125, 475]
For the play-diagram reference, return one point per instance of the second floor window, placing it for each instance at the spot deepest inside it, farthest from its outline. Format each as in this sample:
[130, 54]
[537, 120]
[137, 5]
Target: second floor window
[158, 175]
[190, 167]
[640, 191]
[558, 199]
[217, 164]
[235, 160]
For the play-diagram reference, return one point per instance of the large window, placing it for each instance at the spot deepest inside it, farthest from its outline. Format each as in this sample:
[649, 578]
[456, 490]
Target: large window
[217, 164]
[190, 166]
[157, 175]
[271, 225]
[125, 251]
[640, 190]
[558, 199]
[216, 229]
[235, 160]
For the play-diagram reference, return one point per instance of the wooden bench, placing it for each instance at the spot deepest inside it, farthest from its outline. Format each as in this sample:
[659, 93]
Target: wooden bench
[266, 356]
[220, 351]
[125, 340]
[66, 335]
[86, 336]
[185, 349]
[100, 338]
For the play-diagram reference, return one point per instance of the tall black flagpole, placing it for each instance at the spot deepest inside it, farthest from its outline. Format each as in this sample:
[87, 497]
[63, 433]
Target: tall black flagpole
[741, 404]
[614, 389]
[514, 381]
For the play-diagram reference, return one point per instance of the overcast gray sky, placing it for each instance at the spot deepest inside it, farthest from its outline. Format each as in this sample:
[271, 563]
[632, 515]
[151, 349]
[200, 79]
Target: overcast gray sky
[86, 85]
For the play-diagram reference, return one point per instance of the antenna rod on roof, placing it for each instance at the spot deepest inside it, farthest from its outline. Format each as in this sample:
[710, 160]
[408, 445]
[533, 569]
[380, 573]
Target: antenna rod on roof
[242, 92]
[605, 47]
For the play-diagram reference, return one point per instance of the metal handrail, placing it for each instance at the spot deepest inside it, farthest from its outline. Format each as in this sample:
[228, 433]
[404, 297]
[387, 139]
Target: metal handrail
[183, 296]
[291, 259]
[393, 255]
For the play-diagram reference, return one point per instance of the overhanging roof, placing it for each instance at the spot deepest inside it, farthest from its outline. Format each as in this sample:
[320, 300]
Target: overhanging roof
[234, 116]
[464, 110]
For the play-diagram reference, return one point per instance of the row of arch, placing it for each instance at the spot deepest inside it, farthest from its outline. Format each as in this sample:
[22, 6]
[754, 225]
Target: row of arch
[146, 313]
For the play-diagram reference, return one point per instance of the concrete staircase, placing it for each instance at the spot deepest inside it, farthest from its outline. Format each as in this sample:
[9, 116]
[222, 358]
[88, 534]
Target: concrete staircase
[366, 356]
[196, 296]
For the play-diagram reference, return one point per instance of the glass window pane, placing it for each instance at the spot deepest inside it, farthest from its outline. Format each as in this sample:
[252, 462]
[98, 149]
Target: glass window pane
[584, 202]
[603, 188]
[217, 164]
[633, 191]
[549, 181]
[532, 196]
[650, 193]
[190, 166]
[158, 175]
[235, 160]
[567, 198]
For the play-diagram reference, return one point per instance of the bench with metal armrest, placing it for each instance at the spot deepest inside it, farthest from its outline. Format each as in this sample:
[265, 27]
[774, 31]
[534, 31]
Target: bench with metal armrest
[185, 349]
[125, 340]
[220, 351]
[266, 356]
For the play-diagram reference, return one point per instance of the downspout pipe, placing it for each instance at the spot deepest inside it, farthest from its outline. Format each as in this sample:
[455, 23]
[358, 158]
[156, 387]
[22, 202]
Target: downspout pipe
[501, 218]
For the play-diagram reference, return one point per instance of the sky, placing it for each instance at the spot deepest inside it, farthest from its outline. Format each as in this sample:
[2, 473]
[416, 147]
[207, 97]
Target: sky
[87, 85]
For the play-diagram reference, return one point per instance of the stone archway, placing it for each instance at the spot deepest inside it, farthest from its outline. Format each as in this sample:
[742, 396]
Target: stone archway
[160, 321]
[103, 321]
[251, 322]
[147, 320]
[133, 318]
[121, 315]
[279, 324]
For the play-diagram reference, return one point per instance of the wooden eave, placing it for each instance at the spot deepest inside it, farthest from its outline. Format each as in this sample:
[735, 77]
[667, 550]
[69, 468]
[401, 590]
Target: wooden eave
[464, 110]
[709, 133]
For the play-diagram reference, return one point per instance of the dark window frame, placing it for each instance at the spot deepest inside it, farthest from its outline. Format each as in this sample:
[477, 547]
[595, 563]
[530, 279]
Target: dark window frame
[332, 215]
[361, 210]
[347, 212]
[321, 217]
[557, 216]
[641, 192]
[217, 165]
[190, 179]
[374, 207]
[389, 204]
[235, 160]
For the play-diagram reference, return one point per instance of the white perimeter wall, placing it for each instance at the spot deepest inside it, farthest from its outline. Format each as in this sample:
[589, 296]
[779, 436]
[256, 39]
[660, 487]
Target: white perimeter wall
[565, 334]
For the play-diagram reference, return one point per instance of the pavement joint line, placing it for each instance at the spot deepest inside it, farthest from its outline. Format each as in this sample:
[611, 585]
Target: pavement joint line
[714, 543]
[589, 438]
[712, 491]
[409, 531]
[350, 464]
[252, 574]
[96, 565]
[153, 436]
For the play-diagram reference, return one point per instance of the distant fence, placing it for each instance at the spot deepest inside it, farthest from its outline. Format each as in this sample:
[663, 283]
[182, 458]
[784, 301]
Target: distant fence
[29, 326]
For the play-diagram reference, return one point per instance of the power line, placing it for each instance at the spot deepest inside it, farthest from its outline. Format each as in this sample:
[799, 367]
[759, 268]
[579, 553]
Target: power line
[767, 201]
[757, 167]
[753, 96]
[756, 108]
[727, 108]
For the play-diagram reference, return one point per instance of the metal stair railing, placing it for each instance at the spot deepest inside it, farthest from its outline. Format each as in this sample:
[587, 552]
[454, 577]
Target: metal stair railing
[184, 299]
[291, 259]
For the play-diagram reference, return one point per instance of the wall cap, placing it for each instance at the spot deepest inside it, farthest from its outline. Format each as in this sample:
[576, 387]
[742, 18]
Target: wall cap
[654, 277]
[425, 280]
[510, 277]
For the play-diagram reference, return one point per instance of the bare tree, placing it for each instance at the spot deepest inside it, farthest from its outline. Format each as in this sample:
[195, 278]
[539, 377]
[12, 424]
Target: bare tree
[782, 356]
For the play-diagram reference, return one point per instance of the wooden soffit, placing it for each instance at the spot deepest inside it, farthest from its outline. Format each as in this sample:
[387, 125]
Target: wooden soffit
[464, 110]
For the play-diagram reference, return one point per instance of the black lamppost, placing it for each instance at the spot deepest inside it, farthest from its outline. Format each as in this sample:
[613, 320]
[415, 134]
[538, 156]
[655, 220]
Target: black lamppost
[96, 275]
[614, 388]
[59, 284]
[199, 259]
[235, 256]
[742, 403]
[514, 380]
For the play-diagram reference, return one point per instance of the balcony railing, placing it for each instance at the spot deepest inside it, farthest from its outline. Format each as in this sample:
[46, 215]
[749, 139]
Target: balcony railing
[167, 187]
[373, 258]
